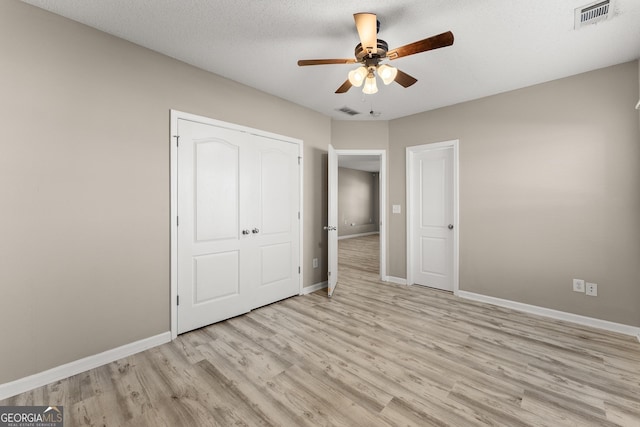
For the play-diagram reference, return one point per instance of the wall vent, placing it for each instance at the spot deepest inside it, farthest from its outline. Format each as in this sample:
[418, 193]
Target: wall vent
[592, 13]
[347, 110]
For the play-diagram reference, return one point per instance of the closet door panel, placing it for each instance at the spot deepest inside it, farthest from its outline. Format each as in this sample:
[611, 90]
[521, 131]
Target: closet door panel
[275, 263]
[213, 283]
[216, 276]
[276, 197]
[278, 240]
[217, 185]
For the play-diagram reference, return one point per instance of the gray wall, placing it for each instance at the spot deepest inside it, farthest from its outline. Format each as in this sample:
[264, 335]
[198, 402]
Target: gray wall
[84, 183]
[360, 135]
[549, 191]
[357, 202]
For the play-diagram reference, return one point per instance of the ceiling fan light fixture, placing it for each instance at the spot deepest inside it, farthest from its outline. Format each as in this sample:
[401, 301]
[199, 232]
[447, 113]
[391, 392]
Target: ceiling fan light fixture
[357, 76]
[370, 86]
[387, 73]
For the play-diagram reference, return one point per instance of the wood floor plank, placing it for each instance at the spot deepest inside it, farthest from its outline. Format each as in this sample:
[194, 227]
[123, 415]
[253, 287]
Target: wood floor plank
[244, 385]
[423, 412]
[561, 412]
[624, 414]
[323, 404]
[96, 411]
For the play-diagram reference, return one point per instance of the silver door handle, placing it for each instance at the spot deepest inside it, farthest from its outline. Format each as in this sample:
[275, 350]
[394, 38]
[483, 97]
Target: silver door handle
[450, 226]
[255, 231]
[329, 228]
[245, 232]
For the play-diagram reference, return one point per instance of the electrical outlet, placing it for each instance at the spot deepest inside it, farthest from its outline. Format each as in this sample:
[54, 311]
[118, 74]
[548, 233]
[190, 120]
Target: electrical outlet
[578, 285]
[592, 289]
[315, 263]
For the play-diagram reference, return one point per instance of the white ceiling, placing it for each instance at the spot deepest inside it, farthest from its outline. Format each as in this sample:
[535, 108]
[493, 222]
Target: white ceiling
[500, 45]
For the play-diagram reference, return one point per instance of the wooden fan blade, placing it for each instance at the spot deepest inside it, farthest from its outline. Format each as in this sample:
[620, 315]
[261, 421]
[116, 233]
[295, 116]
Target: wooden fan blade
[404, 79]
[366, 24]
[304, 62]
[345, 87]
[434, 42]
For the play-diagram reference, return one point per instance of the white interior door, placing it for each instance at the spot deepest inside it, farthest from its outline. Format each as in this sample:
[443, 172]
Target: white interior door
[432, 218]
[212, 285]
[332, 226]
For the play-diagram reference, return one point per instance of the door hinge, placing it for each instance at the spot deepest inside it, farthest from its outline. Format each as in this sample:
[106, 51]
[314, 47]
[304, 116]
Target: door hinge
[298, 269]
[177, 221]
[177, 299]
[298, 215]
[177, 137]
[299, 158]
[328, 273]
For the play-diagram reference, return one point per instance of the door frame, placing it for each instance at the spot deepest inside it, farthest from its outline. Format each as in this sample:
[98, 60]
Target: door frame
[175, 115]
[382, 205]
[454, 144]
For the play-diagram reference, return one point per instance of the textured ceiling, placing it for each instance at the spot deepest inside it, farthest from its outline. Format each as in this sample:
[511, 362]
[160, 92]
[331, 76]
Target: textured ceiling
[500, 45]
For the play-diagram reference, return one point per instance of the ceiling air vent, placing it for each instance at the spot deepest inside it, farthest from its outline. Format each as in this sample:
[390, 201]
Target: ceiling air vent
[592, 13]
[348, 111]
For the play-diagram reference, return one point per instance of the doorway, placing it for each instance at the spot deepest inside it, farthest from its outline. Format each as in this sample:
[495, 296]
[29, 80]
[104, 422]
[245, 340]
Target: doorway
[359, 212]
[363, 178]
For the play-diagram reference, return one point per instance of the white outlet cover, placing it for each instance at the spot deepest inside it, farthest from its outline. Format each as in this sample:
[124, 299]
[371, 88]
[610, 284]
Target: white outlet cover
[592, 289]
[578, 285]
[396, 209]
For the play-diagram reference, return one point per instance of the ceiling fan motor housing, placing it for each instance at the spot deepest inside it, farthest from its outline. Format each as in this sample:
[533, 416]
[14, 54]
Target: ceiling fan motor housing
[371, 59]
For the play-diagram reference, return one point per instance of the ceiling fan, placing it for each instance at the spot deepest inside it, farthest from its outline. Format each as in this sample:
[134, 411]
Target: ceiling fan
[371, 51]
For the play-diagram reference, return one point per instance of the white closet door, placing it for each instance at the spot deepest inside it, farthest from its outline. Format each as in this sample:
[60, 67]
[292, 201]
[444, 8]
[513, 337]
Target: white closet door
[238, 233]
[274, 221]
[212, 285]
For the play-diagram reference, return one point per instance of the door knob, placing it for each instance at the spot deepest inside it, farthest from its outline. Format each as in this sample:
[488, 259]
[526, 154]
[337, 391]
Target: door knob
[450, 227]
[329, 228]
[245, 232]
[255, 231]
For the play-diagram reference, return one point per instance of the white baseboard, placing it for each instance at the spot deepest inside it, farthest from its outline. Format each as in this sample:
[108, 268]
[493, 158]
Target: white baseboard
[351, 236]
[309, 289]
[396, 280]
[72, 368]
[554, 314]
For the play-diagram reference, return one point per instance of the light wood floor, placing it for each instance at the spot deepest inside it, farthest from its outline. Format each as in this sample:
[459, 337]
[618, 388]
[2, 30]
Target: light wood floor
[375, 354]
